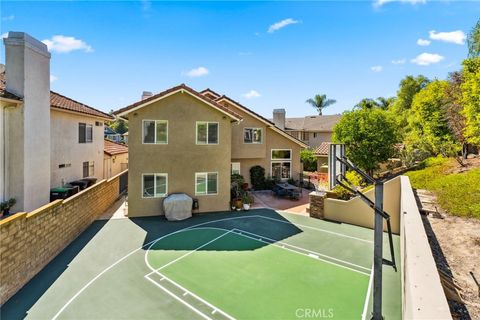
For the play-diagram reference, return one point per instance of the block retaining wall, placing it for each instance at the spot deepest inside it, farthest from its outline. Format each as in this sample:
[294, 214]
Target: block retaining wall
[30, 240]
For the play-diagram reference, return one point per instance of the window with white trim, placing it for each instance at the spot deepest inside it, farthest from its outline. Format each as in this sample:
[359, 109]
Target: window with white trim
[281, 165]
[206, 183]
[235, 167]
[85, 133]
[207, 132]
[155, 131]
[154, 185]
[252, 135]
[88, 168]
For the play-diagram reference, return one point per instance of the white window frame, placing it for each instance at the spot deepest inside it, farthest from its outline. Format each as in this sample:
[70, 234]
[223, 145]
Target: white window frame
[281, 163]
[280, 160]
[154, 185]
[239, 167]
[206, 186]
[207, 143]
[253, 128]
[155, 131]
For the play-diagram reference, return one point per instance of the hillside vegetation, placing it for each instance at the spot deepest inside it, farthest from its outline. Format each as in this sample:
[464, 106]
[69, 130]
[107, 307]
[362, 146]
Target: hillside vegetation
[457, 193]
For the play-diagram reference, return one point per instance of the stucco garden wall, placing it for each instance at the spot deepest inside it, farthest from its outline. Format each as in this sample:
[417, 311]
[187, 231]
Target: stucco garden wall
[30, 240]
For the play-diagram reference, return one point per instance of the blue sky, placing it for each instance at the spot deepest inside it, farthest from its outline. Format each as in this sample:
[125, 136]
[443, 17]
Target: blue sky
[264, 54]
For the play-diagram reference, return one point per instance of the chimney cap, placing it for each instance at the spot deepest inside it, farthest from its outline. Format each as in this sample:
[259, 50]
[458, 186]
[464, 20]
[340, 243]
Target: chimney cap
[146, 94]
[279, 110]
[24, 39]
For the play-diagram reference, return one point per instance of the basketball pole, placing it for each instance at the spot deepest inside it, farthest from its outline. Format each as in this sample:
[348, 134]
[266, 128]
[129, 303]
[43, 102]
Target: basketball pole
[378, 253]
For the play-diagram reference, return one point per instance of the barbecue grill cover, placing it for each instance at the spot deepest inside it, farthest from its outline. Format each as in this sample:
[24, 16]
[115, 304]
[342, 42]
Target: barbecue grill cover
[177, 207]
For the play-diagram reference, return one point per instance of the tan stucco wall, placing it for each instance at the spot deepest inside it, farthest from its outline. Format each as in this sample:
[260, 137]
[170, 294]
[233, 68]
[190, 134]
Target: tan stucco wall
[113, 165]
[356, 212]
[240, 149]
[65, 148]
[181, 158]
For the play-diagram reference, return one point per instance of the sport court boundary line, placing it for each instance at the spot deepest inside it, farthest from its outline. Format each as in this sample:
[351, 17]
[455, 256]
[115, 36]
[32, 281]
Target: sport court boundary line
[186, 228]
[188, 292]
[367, 297]
[257, 237]
[238, 232]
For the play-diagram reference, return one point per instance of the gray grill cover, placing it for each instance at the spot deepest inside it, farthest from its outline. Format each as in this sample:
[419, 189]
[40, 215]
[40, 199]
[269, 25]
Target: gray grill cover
[177, 206]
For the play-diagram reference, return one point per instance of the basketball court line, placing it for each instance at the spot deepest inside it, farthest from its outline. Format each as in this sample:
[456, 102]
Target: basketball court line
[367, 297]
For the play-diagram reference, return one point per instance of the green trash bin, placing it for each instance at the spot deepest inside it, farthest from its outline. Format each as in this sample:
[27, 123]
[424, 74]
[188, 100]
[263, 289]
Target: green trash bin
[59, 193]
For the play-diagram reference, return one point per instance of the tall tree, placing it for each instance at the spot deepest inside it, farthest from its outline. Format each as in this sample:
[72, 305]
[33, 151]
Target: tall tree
[320, 102]
[454, 110]
[428, 124]
[409, 87]
[369, 136]
[471, 99]
[119, 126]
[473, 41]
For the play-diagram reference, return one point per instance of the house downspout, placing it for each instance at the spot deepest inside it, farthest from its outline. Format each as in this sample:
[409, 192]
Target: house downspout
[5, 151]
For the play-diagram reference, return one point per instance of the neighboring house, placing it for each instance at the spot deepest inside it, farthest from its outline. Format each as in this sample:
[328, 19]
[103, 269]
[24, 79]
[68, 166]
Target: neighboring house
[110, 134]
[125, 138]
[115, 158]
[321, 152]
[191, 142]
[46, 139]
[312, 130]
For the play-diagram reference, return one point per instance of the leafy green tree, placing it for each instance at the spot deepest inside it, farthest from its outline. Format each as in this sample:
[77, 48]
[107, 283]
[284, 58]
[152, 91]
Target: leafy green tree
[453, 109]
[119, 125]
[409, 87]
[309, 160]
[471, 99]
[428, 124]
[473, 41]
[320, 102]
[369, 136]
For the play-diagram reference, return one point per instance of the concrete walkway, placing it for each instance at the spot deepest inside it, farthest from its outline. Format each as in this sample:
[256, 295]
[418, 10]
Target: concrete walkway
[118, 210]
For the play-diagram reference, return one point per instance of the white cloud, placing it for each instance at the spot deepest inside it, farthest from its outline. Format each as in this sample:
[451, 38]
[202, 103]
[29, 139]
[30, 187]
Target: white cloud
[197, 72]
[426, 59]
[281, 24]
[399, 61]
[379, 3]
[53, 78]
[457, 37]
[423, 42]
[252, 94]
[64, 44]
[4, 35]
[8, 18]
[376, 68]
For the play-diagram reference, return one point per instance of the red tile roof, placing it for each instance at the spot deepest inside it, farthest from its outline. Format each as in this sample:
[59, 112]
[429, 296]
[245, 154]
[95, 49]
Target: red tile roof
[3, 92]
[112, 148]
[61, 102]
[176, 88]
[322, 149]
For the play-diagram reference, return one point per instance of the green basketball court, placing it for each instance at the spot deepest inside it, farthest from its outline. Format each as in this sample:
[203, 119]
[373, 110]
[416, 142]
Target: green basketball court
[255, 265]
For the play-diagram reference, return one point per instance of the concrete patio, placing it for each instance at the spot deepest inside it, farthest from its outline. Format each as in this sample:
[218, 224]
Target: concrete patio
[266, 199]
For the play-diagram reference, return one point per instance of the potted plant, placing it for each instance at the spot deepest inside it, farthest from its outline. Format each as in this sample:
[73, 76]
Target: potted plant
[6, 206]
[246, 201]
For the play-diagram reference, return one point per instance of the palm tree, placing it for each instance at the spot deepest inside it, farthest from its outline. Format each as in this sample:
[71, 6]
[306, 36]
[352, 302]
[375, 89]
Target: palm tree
[385, 103]
[320, 102]
[367, 103]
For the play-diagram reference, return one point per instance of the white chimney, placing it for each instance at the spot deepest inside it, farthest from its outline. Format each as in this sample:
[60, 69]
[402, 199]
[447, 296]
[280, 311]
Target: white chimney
[27, 73]
[146, 94]
[279, 118]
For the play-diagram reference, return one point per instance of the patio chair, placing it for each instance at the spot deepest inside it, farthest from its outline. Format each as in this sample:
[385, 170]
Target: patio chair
[294, 194]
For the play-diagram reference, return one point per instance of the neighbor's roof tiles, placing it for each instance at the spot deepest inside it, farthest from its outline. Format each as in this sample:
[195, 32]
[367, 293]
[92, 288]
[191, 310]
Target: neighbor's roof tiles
[113, 148]
[58, 101]
[176, 88]
[312, 123]
[322, 149]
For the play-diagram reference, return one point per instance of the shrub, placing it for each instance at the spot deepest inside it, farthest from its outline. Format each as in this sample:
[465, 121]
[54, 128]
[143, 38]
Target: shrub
[237, 179]
[257, 177]
[308, 159]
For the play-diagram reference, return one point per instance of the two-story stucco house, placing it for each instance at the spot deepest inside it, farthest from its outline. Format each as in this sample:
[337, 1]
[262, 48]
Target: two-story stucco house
[46, 139]
[181, 140]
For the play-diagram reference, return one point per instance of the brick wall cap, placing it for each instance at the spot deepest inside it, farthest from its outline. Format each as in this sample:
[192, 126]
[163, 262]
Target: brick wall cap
[14, 217]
